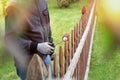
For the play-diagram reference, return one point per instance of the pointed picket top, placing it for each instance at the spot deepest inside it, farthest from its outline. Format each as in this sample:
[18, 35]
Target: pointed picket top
[36, 69]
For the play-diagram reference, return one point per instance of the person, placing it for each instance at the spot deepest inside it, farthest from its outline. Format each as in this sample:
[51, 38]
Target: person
[28, 31]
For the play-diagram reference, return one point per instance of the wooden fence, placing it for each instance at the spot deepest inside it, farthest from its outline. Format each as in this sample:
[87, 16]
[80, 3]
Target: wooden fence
[74, 58]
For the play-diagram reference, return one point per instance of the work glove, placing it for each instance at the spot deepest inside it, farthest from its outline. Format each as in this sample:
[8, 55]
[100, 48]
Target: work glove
[45, 48]
[52, 45]
[52, 53]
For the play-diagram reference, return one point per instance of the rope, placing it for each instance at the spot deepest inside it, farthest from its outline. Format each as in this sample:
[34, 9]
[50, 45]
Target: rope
[90, 51]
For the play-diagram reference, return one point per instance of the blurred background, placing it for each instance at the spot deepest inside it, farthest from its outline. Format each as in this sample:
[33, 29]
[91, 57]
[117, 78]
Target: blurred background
[64, 14]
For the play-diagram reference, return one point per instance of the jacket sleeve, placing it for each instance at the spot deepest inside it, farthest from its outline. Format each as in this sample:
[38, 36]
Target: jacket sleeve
[11, 29]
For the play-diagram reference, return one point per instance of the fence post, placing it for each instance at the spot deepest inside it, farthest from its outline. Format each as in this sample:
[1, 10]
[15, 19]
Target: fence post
[80, 36]
[37, 69]
[74, 39]
[55, 66]
[78, 70]
[75, 47]
[61, 62]
[67, 51]
[65, 56]
[68, 42]
[74, 75]
[72, 44]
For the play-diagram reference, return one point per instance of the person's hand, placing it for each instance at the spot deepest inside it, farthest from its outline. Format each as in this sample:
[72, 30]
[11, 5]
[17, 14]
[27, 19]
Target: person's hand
[45, 48]
[52, 44]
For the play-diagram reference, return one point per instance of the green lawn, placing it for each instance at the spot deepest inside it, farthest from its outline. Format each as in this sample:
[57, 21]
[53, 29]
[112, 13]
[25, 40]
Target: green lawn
[62, 21]
[105, 63]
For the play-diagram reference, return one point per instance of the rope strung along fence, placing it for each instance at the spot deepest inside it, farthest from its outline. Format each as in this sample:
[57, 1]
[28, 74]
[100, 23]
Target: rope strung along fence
[90, 51]
[74, 61]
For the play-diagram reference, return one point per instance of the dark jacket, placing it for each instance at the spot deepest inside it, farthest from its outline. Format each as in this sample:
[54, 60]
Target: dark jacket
[30, 22]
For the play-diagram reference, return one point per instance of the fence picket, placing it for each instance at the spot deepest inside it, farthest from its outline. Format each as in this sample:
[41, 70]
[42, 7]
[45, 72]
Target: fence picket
[55, 67]
[68, 48]
[72, 44]
[65, 56]
[61, 62]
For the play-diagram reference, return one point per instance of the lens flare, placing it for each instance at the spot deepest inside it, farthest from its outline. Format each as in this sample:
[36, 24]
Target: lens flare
[112, 8]
[110, 11]
[113, 5]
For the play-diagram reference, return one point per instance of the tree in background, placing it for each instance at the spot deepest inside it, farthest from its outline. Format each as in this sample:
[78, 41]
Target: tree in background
[63, 3]
[66, 3]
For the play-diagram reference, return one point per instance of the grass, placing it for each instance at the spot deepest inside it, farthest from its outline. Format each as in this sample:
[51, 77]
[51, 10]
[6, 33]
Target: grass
[105, 63]
[7, 71]
[62, 21]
